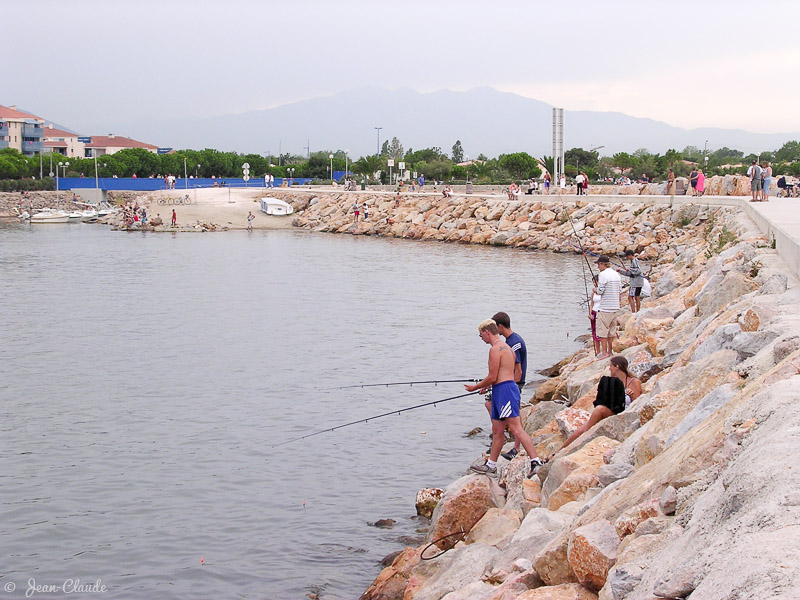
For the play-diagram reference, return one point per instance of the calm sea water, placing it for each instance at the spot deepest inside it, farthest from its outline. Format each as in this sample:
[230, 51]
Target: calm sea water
[147, 377]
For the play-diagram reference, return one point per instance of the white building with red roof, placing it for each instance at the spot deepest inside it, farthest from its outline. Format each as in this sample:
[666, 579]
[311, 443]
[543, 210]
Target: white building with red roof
[63, 142]
[101, 145]
[20, 130]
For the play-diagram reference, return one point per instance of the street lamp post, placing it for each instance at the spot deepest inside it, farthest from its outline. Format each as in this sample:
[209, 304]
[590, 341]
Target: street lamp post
[185, 175]
[705, 156]
[345, 163]
[197, 171]
[330, 156]
[290, 171]
[378, 129]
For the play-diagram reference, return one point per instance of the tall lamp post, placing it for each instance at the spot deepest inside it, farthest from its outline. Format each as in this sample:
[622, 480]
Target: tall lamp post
[185, 175]
[378, 129]
[345, 163]
[705, 156]
[197, 171]
[330, 156]
[290, 171]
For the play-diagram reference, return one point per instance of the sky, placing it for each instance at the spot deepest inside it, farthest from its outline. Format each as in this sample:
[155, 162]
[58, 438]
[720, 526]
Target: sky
[89, 65]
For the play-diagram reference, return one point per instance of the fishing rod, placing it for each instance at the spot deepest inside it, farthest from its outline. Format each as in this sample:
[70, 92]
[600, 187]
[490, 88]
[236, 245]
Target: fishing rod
[392, 412]
[583, 252]
[619, 264]
[410, 383]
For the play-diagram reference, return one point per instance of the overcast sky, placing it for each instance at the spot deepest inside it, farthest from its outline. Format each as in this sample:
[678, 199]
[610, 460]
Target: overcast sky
[90, 64]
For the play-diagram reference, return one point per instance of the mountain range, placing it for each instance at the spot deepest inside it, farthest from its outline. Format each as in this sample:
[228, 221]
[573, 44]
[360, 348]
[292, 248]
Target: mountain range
[485, 120]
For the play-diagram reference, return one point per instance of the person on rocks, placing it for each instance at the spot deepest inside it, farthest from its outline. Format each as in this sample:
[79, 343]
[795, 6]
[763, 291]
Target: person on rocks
[637, 280]
[174, 218]
[517, 344]
[504, 405]
[366, 211]
[610, 400]
[594, 301]
[633, 385]
[609, 286]
[356, 211]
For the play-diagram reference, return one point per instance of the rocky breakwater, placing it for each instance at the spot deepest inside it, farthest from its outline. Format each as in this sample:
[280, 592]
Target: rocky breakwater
[689, 493]
[656, 231]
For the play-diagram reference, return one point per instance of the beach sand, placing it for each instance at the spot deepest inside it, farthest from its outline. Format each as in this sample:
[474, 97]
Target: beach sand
[224, 207]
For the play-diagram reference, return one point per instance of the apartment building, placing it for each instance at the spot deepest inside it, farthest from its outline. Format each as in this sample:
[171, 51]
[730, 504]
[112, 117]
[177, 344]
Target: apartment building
[63, 142]
[20, 130]
[100, 145]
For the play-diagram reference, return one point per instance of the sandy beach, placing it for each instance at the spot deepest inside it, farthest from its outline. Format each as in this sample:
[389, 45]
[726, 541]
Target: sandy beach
[225, 207]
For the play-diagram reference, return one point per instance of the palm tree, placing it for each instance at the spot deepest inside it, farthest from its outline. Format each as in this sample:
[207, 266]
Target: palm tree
[367, 165]
[549, 164]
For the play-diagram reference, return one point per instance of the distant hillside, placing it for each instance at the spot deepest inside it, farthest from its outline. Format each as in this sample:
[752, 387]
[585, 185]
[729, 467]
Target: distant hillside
[485, 120]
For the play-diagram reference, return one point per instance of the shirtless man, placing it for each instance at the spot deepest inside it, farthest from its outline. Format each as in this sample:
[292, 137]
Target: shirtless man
[505, 398]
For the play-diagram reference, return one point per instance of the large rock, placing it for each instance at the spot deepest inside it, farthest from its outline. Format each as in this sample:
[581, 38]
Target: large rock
[570, 476]
[592, 551]
[567, 591]
[464, 565]
[496, 527]
[711, 402]
[392, 582]
[465, 501]
[427, 499]
[723, 289]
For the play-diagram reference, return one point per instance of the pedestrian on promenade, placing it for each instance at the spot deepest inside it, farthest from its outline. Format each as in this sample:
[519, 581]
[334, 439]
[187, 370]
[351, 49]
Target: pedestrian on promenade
[754, 173]
[766, 181]
[504, 405]
[670, 182]
[547, 180]
[701, 182]
[693, 180]
[250, 217]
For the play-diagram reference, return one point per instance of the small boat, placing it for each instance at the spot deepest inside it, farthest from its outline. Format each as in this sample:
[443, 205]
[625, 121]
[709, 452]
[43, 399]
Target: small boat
[273, 206]
[50, 215]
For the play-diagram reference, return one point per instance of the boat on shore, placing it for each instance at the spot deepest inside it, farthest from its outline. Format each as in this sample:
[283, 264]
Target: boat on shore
[49, 215]
[273, 206]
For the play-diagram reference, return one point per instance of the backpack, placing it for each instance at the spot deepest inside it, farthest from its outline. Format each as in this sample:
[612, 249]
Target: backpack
[646, 289]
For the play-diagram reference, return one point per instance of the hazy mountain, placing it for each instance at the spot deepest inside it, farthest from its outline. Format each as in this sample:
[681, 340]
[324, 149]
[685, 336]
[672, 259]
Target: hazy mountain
[485, 120]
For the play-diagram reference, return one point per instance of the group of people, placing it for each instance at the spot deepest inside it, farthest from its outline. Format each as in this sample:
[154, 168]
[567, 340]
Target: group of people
[760, 180]
[508, 358]
[359, 209]
[697, 181]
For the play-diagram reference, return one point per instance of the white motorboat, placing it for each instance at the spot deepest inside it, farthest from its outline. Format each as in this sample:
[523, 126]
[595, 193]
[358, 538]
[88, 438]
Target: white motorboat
[273, 206]
[104, 209]
[50, 215]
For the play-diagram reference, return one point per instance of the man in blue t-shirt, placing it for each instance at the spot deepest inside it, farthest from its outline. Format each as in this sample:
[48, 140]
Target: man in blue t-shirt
[517, 344]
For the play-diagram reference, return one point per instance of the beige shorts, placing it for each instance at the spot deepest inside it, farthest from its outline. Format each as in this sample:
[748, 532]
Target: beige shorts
[606, 324]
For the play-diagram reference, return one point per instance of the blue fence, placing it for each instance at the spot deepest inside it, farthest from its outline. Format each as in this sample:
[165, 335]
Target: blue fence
[143, 184]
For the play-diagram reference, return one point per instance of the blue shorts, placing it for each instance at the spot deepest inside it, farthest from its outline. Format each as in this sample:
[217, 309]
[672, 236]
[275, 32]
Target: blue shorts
[505, 400]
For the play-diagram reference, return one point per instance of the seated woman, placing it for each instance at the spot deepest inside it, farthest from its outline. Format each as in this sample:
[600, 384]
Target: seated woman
[447, 192]
[614, 395]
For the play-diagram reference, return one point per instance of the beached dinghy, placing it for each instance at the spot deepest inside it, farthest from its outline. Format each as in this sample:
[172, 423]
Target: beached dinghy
[273, 206]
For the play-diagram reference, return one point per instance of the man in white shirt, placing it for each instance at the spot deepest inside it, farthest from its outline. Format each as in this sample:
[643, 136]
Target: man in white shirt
[609, 286]
[579, 183]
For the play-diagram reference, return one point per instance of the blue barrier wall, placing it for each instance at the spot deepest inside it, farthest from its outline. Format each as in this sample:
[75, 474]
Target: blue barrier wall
[143, 184]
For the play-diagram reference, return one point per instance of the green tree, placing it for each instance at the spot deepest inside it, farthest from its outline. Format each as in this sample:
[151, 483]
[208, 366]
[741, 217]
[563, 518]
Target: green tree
[427, 155]
[458, 152]
[789, 152]
[395, 150]
[623, 161]
[520, 165]
[582, 159]
[367, 165]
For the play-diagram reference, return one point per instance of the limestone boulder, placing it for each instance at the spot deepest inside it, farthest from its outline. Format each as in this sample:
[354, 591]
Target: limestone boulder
[541, 414]
[463, 504]
[567, 591]
[538, 529]
[464, 565]
[721, 290]
[392, 582]
[592, 551]
[632, 517]
[496, 527]
[427, 499]
[551, 562]
[710, 402]
[570, 476]
[570, 419]
[608, 474]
